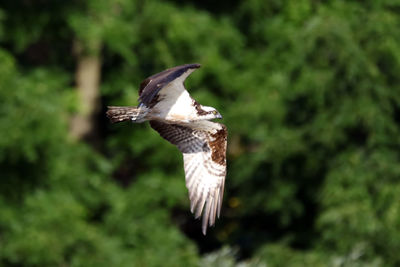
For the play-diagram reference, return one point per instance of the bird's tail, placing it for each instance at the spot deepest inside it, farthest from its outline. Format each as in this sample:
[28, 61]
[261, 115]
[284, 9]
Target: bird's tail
[118, 114]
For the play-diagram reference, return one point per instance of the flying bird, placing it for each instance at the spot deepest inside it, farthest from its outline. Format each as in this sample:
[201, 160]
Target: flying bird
[181, 120]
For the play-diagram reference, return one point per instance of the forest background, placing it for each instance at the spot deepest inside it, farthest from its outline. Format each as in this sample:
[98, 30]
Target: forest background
[310, 93]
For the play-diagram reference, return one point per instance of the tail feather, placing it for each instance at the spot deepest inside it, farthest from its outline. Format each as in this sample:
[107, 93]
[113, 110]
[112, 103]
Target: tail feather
[118, 114]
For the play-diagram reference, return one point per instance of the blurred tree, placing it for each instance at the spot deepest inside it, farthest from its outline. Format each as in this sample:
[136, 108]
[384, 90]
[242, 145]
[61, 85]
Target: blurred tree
[57, 205]
[309, 91]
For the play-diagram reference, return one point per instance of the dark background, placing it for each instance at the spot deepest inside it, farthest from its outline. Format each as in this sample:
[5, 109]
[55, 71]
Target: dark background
[309, 91]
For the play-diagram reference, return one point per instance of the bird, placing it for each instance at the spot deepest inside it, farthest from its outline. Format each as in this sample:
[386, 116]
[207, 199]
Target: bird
[182, 121]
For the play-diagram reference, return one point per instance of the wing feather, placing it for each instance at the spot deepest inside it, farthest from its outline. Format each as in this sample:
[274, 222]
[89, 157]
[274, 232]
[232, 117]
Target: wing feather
[204, 153]
[220, 197]
[152, 85]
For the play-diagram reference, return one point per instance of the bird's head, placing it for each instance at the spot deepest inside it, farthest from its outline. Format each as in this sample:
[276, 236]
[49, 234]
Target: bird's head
[208, 113]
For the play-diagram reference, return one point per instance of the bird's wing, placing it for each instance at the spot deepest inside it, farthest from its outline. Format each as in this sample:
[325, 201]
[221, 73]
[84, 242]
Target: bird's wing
[204, 156]
[175, 77]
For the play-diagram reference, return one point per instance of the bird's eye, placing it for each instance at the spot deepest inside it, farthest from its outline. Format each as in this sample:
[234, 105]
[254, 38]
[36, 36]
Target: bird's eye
[215, 112]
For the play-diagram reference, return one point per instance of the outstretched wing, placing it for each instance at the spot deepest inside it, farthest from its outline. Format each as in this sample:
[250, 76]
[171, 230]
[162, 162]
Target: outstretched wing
[204, 153]
[151, 86]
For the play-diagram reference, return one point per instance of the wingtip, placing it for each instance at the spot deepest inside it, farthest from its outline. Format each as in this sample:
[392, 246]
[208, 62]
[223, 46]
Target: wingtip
[204, 230]
[193, 65]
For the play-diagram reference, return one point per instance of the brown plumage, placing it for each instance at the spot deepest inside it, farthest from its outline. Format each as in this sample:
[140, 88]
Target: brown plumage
[118, 114]
[185, 123]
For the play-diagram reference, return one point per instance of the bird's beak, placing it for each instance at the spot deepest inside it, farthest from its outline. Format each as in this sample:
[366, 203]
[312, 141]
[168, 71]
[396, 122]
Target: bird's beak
[219, 116]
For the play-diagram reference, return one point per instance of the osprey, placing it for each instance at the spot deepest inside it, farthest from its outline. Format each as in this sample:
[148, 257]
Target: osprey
[178, 118]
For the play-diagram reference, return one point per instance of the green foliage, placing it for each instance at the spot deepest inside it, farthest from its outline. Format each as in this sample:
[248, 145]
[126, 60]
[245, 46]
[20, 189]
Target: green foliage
[272, 255]
[310, 93]
[57, 203]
